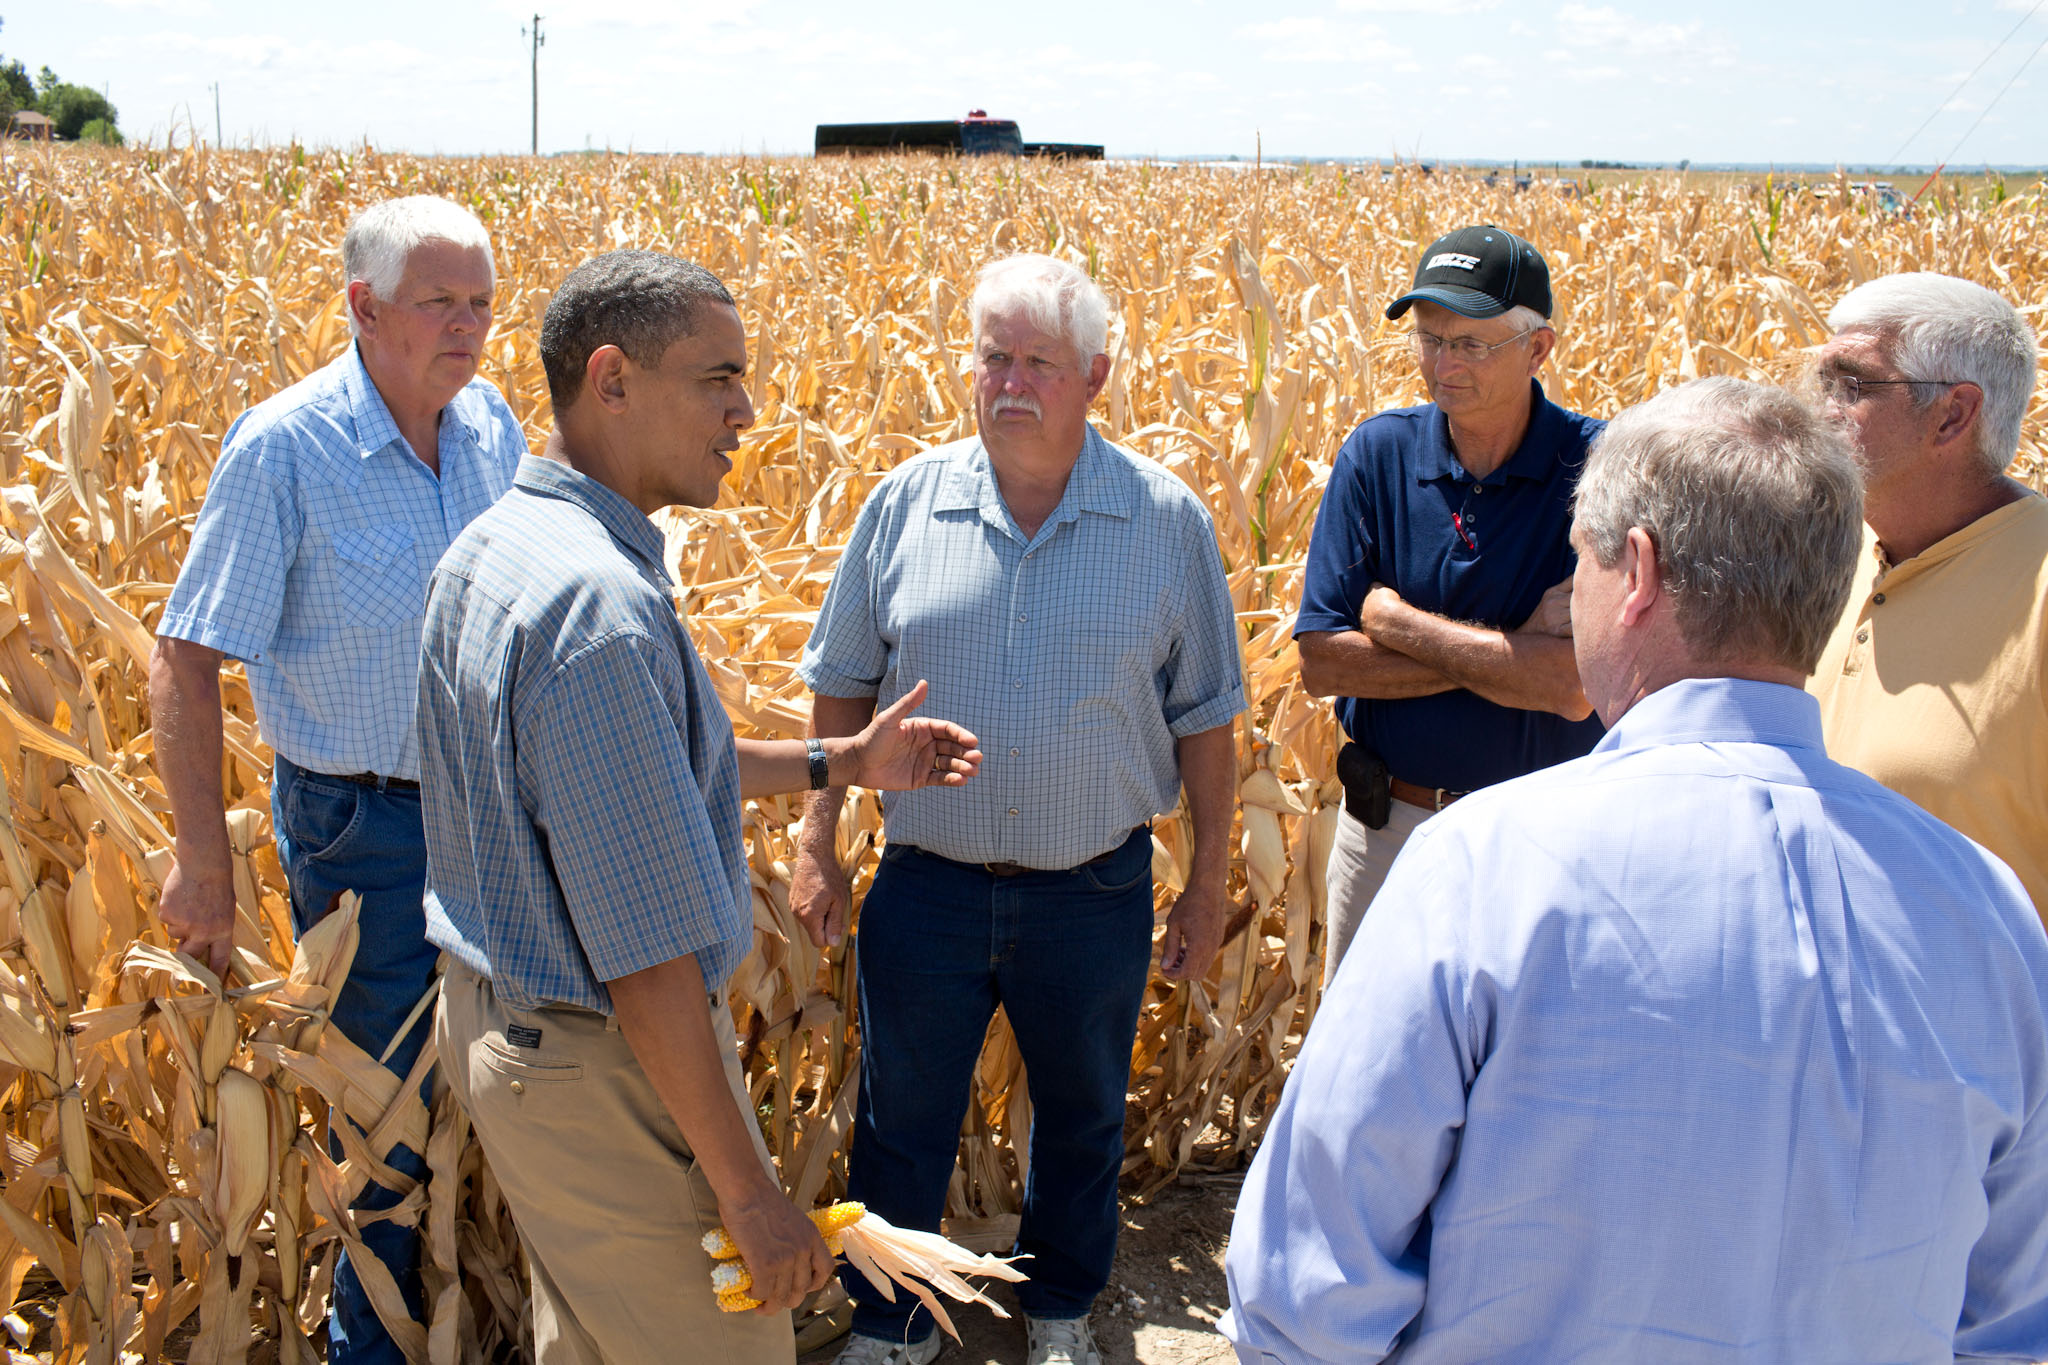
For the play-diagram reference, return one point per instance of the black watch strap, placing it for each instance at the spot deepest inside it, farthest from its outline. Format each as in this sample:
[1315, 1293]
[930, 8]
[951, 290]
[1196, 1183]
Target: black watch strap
[821, 771]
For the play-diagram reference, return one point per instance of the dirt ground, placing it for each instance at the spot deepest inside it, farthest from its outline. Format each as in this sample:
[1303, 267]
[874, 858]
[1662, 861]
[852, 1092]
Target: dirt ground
[1164, 1295]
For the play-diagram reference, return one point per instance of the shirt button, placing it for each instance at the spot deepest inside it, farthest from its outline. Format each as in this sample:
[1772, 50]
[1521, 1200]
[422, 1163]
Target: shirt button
[1022, 617]
[1863, 636]
[1879, 599]
[1015, 752]
[1013, 810]
[518, 1087]
[1018, 683]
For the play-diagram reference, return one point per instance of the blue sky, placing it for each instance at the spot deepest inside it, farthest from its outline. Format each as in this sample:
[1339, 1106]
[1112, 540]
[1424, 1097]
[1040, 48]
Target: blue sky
[1744, 80]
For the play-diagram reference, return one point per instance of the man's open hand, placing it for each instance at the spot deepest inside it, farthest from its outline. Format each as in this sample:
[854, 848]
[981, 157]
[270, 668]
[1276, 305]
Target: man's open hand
[901, 752]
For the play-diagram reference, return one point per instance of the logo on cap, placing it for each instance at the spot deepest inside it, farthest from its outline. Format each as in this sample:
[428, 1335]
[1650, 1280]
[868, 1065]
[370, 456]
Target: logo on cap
[1453, 258]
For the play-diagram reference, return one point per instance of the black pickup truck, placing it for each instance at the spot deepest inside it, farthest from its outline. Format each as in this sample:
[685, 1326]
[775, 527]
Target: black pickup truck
[975, 135]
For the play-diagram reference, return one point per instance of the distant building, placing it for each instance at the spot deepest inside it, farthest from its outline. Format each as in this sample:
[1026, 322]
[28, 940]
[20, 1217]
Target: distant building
[30, 126]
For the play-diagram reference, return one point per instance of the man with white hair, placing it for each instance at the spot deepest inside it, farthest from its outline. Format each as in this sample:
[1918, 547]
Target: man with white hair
[1066, 600]
[1700, 1048]
[326, 512]
[1935, 679]
[1434, 602]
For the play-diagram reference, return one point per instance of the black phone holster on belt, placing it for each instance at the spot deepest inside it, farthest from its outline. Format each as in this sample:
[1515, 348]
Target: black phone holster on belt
[1368, 792]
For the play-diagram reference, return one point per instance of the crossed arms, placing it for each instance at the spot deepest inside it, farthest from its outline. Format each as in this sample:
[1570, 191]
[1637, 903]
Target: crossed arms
[1401, 651]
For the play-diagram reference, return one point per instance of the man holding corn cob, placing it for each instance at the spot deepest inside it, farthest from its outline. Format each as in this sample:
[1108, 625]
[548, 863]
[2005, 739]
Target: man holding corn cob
[1067, 600]
[329, 505]
[1424, 608]
[585, 865]
[1935, 678]
[1701, 1048]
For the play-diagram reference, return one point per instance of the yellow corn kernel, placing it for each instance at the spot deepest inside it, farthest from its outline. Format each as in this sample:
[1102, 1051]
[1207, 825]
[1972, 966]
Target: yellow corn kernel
[839, 1216]
[829, 1221]
[736, 1301]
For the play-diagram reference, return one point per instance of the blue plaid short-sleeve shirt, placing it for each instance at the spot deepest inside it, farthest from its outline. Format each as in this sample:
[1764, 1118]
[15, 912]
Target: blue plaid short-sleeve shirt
[1078, 656]
[310, 558]
[581, 791]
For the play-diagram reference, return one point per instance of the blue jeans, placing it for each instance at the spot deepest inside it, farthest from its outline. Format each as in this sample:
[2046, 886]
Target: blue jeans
[334, 836]
[1066, 954]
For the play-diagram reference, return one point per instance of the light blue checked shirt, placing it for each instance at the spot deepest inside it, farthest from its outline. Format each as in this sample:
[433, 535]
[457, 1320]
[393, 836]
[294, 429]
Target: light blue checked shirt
[1701, 1048]
[310, 558]
[582, 790]
[1077, 656]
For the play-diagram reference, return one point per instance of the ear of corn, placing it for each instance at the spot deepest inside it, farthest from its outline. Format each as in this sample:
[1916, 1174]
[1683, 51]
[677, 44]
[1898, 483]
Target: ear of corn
[147, 297]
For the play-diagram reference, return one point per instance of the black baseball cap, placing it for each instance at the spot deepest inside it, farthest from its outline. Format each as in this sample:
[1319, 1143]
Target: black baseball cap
[1480, 272]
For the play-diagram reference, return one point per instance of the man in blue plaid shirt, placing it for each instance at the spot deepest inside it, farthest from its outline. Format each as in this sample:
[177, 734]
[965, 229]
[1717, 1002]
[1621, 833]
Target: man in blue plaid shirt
[326, 512]
[586, 868]
[1067, 601]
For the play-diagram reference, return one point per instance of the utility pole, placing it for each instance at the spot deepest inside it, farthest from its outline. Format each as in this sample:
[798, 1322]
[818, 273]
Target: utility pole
[539, 42]
[216, 114]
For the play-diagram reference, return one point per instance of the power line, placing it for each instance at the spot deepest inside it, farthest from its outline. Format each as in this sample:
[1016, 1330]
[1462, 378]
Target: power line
[1994, 102]
[1893, 159]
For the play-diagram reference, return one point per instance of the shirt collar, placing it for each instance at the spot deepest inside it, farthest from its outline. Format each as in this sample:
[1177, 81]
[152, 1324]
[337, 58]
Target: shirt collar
[1093, 486]
[376, 428]
[1534, 459]
[622, 521]
[1719, 710]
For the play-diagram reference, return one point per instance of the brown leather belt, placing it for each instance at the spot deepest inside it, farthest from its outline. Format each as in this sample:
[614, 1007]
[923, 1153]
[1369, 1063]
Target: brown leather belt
[1429, 798]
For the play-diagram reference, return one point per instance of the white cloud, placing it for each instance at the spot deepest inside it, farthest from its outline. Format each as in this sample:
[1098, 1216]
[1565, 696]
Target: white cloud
[1606, 28]
[1316, 39]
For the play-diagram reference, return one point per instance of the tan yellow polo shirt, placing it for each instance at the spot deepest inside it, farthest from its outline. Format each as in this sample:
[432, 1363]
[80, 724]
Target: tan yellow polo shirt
[1936, 683]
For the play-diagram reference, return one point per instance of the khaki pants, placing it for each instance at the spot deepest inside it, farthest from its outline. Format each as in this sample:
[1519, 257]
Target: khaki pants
[1360, 859]
[609, 1203]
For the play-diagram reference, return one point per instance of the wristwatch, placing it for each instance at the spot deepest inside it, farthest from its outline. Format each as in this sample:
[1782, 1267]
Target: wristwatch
[821, 771]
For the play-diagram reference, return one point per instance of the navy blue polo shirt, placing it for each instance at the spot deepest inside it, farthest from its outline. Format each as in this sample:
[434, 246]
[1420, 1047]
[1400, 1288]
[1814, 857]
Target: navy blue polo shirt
[1401, 510]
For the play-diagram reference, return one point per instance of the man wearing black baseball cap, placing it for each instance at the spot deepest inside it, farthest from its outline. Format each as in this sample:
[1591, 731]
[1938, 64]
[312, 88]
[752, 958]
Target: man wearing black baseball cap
[1437, 602]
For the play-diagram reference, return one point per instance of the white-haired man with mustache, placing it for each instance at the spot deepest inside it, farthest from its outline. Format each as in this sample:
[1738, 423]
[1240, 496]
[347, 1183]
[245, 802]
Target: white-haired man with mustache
[1066, 600]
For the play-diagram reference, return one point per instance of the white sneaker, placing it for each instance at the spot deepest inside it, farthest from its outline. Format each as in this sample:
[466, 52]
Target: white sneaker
[860, 1350]
[1060, 1341]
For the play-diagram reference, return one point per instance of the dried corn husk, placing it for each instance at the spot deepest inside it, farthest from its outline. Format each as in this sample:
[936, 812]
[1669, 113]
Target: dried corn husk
[148, 296]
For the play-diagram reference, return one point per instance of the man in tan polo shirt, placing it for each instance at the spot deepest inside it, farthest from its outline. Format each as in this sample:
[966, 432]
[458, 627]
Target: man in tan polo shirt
[1936, 679]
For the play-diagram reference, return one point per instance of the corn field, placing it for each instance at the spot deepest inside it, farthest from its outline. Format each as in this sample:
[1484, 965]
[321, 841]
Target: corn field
[167, 1187]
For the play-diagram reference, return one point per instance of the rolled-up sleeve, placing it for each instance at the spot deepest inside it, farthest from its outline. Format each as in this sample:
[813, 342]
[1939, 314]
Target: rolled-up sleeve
[230, 592]
[1205, 685]
[1327, 1258]
[617, 799]
[846, 655]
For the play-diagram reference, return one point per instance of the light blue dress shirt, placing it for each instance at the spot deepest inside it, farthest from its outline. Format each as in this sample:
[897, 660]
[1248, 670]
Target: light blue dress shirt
[1077, 656]
[1700, 1048]
[310, 558]
[582, 791]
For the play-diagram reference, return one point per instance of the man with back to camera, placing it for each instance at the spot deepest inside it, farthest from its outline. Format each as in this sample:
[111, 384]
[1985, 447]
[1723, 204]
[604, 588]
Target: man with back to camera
[1424, 608]
[1701, 1048]
[324, 516]
[586, 866]
[1067, 600]
[1936, 680]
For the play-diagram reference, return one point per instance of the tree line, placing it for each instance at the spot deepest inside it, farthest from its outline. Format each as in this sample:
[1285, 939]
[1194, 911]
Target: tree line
[77, 112]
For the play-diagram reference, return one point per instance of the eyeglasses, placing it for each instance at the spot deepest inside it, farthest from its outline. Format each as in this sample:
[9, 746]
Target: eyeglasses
[1847, 389]
[1471, 350]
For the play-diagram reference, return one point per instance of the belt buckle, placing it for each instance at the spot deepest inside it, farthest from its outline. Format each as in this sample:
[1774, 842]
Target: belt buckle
[1005, 869]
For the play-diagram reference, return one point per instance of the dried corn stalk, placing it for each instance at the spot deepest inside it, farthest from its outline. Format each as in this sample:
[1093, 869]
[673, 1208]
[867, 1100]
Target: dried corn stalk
[165, 1165]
